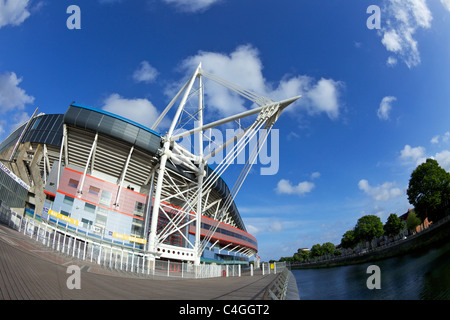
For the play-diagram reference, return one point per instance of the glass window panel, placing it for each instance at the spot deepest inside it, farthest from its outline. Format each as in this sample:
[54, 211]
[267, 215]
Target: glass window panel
[68, 200]
[73, 183]
[65, 213]
[89, 207]
[139, 208]
[94, 190]
[105, 198]
[86, 223]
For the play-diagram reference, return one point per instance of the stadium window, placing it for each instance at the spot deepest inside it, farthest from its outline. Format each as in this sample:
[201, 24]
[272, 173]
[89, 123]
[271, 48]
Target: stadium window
[68, 200]
[100, 220]
[65, 213]
[89, 207]
[86, 223]
[139, 208]
[73, 183]
[105, 198]
[94, 190]
[136, 229]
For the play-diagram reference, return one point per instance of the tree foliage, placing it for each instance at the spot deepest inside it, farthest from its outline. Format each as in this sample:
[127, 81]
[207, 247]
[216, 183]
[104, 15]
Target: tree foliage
[429, 191]
[412, 221]
[368, 227]
[348, 239]
[393, 225]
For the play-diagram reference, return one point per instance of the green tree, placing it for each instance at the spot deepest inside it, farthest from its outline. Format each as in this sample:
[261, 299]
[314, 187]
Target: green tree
[316, 251]
[301, 256]
[368, 227]
[393, 225]
[328, 248]
[412, 221]
[429, 191]
[348, 240]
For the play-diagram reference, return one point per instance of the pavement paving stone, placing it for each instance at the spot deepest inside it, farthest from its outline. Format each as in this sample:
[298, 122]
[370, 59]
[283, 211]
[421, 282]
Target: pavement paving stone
[30, 271]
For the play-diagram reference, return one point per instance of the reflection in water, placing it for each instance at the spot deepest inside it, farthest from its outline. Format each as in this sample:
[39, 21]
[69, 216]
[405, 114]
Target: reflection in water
[421, 275]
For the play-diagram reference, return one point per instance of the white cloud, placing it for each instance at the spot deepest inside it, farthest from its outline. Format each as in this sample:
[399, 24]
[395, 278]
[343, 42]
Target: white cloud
[285, 187]
[416, 154]
[17, 119]
[141, 111]
[13, 12]
[315, 175]
[435, 139]
[391, 61]
[391, 41]
[443, 158]
[12, 97]
[385, 107]
[145, 73]
[263, 225]
[192, 5]
[317, 96]
[244, 68]
[384, 192]
[443, 138]
[324, 97]
[404, 18]
[446, 4]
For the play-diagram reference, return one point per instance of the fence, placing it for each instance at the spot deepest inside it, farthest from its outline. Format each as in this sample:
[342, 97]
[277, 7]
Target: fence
[277, 290]
[112, 256]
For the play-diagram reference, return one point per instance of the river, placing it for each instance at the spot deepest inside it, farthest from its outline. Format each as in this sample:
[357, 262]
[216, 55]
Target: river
[422, 275]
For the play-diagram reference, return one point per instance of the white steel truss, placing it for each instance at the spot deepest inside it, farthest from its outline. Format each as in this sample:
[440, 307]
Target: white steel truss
[195, 199]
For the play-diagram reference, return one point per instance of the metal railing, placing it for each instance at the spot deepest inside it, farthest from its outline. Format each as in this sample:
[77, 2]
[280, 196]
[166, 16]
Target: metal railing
[116, 257]
[272, 267]
[277, 290]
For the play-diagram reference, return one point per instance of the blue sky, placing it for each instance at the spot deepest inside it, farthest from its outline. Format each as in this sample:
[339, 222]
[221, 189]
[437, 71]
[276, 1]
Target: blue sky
[375, 102]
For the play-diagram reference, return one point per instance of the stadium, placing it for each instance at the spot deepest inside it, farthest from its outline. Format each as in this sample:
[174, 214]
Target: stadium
[97, 174]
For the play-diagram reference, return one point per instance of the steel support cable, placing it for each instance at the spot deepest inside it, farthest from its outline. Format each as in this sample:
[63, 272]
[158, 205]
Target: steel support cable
[207, 184]
[234, 153]
[241, 144]
[177, 229]
[256, 151]
[258, 99]
[167, 230]
[244, 172]
[186, 120]
[169, 106]
[222, 167]
[237, 185]
[181, 213]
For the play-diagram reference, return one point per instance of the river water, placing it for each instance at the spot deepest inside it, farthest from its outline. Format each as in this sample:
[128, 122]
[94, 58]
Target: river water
[421, 275]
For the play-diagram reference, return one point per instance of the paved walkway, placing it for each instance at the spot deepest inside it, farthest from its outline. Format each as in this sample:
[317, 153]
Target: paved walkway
[31, 272]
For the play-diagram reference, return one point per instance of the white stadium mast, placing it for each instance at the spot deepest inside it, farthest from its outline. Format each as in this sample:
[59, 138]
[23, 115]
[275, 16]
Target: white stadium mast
[195, 196]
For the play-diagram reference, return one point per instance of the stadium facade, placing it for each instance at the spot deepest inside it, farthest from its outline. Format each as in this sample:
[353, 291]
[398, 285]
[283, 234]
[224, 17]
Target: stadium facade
[111, 178]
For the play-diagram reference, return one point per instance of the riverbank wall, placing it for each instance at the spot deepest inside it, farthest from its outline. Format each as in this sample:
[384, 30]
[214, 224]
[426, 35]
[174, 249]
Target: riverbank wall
[436, 234]
[283, 287]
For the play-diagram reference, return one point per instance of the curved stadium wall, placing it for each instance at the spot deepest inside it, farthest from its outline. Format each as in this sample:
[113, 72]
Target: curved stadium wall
[95, 167]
